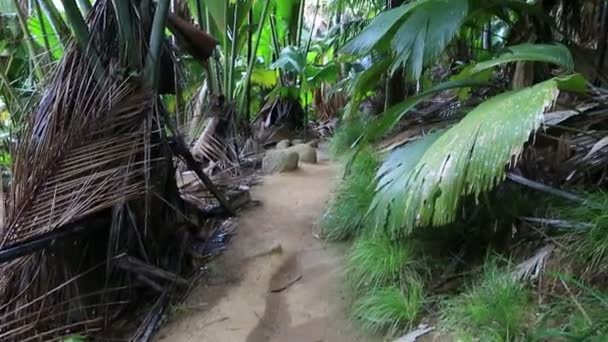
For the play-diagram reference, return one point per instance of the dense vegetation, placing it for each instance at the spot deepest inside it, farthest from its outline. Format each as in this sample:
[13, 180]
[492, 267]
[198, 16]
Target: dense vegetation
[472, 135]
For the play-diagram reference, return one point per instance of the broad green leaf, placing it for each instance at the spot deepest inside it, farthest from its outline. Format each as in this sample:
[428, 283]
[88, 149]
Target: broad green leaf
[288, 12]
[317, 75]
[7, 6]
[426, 32]
[264, 78]
[557, 54]
[470, 158]
[218, 10]
[290, 59]
[376, 31]
[35, 27]
[392, 177]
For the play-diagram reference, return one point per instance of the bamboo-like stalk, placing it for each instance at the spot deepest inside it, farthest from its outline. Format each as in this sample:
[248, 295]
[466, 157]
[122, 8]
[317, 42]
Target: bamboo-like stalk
[29, 41]
[249, 55]
[232, 57]
[123, 15]
[255, 50]
[157, 35]
[300, 23]
[45, 36]
[86, 7]
[57, 24]
[214, 74]
[79, 26]
[9, 91]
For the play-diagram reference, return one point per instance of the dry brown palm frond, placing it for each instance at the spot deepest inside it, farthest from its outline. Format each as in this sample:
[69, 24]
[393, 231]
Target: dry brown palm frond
[217, 144]
[86, 150]
[76, 151]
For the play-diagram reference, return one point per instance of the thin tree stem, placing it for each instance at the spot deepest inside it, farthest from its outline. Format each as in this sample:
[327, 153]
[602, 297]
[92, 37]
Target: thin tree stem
[57, 24]
[255, 48]
[9, 90]
[86, 7]
[29, 42]
[157, 36]
[232, 58]
[45, 35]
[79, 26]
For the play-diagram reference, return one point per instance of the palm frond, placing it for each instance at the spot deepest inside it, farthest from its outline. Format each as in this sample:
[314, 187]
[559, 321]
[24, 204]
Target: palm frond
[469, 159]
[557, 54]
[424, 35]
[418, 32]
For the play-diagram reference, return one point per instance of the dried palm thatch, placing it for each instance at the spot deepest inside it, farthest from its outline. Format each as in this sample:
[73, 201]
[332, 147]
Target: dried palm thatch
[217, 144]
[92, 158]
[279, 119]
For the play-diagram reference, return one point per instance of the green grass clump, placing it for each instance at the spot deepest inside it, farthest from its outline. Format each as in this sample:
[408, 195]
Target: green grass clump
[380, 262]
[345, 136]
[497, 308]
[390, 310]
[579, 314]
[589, 245]
[345, 217]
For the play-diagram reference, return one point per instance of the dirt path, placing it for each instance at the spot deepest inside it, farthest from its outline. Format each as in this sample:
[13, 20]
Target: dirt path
[277, 282]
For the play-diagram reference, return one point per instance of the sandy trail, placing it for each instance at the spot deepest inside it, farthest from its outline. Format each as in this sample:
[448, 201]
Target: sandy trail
[277, 282]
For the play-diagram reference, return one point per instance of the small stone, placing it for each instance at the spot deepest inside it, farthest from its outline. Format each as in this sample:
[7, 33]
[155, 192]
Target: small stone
[276, 161]
[307, 153]
[297, 142]
[283, 144]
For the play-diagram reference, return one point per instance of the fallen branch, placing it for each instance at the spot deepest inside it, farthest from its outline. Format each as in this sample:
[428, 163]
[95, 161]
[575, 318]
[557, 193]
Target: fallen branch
[550, 190]
[139, 267]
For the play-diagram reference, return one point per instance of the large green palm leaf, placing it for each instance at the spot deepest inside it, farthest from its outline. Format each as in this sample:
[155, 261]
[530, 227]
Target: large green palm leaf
[468, 159]
[418, 32]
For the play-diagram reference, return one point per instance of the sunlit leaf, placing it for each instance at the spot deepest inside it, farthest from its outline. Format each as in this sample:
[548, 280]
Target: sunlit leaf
[426, 32]
[35, 27]
[470, 158]
[317, 75]
[373, 34]
[264, 77]
[290, 59]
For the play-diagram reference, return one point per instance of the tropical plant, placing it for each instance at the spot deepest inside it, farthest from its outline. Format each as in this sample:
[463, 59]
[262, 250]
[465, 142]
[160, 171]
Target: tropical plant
[378, 262]
[496, 308]
[345, 217]
[390, 310]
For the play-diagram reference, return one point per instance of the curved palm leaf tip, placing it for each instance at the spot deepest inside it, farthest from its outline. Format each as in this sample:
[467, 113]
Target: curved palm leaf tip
[469, 158]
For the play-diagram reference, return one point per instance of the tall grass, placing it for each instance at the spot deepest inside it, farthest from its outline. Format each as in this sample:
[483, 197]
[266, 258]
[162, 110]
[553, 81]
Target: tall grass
[496, 308]
[580, 314]
[380, 262]
[344, 219]
[589, 245]
[345, 136]
[390, 310]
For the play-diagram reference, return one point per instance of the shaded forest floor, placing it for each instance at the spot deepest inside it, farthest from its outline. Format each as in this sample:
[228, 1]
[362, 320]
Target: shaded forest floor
[277, 281]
